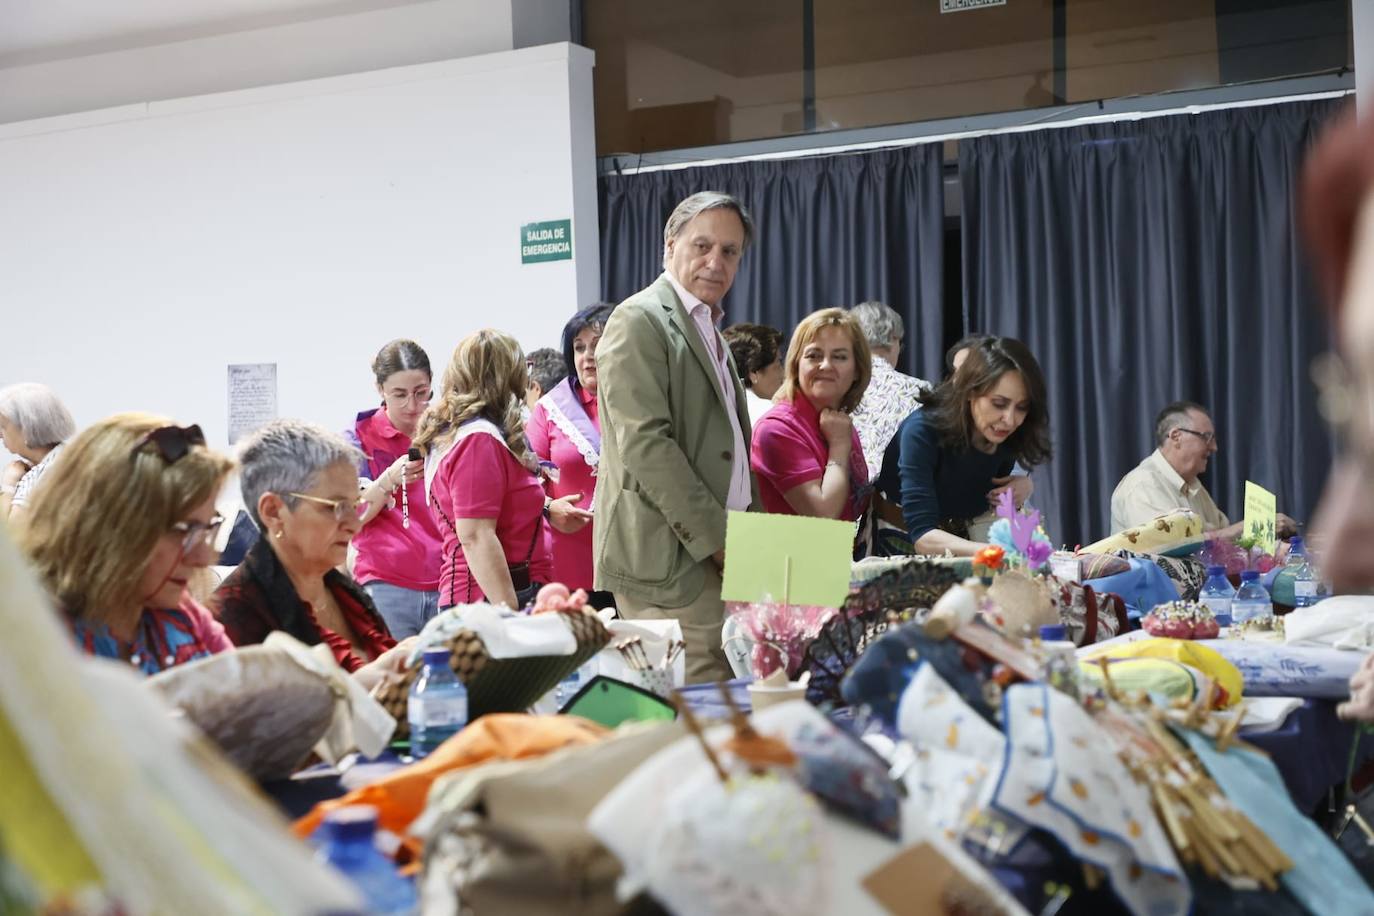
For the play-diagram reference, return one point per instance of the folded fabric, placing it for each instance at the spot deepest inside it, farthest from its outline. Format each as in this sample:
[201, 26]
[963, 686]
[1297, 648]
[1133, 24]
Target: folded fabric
[1160, 677]
[1061, 774]
[1142, 587]
[1180, 530]
[1197, 654]
[958, 755]
[504, 634]
[400, 796]
[510, 836]
[263, 709]
[1321, 878]
[1274, 669]
[1341, 622]
[360, 723]
[847, 777]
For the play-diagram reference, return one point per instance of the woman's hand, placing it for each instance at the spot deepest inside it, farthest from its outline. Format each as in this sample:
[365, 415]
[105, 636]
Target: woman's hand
[1360, 706]
[13, 473]
[392, 661]
[837, 429]
[1020, 486]
[566, 517]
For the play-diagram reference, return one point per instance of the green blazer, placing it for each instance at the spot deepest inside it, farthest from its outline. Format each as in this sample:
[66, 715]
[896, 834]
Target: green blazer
[666, 451]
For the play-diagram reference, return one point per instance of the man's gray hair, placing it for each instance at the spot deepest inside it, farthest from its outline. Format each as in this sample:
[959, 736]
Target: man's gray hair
[700, 202]
[287, 456]
[880, 323]
[38, 412]
[1173, 416]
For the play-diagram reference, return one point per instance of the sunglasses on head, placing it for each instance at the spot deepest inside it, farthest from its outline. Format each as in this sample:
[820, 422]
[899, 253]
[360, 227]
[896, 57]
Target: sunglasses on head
[172, 442]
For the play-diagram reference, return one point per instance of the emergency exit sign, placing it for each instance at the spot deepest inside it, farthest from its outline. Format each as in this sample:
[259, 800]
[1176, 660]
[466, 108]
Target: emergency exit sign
[551, 241]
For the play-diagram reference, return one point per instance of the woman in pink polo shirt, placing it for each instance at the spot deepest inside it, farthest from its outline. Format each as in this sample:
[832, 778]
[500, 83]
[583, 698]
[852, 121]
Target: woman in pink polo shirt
[482, 477]
[805, 451]
[564, 431]
[399, 544]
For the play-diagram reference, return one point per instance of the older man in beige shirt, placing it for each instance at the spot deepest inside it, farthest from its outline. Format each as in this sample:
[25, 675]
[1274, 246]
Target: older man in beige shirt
[1168, 479]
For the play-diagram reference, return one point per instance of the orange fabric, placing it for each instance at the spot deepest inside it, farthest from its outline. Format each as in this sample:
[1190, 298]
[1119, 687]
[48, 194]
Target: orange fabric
[400, 797]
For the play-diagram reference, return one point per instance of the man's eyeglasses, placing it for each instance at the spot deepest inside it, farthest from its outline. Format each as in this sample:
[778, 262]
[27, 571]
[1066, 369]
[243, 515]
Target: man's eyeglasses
[1209, 438]
[172, 442]
[343, 509]
[194, 534]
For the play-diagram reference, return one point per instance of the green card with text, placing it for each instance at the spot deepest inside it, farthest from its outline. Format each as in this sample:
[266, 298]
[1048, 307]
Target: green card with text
[1261, 514]
[767, 556]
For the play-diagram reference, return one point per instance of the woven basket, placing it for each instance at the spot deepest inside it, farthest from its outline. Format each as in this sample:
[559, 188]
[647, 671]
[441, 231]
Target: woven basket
[499, 684]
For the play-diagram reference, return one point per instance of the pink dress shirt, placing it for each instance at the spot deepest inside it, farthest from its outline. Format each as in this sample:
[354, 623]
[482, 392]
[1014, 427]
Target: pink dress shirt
[704, 317]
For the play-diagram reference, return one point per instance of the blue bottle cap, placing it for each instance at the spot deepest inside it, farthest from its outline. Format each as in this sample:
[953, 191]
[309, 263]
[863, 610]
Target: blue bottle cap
[1053, 632]
[1295, 543]
[1223, 620]
[351, 822]
[1215, 570]
[1249, 575]
[438, 656]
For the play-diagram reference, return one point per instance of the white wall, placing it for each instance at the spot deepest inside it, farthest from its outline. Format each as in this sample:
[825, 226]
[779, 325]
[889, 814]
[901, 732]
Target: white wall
[217, 46]
[144, 248]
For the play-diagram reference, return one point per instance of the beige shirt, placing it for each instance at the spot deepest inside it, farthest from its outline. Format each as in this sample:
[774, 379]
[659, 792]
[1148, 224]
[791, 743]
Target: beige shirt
[703, 316]
[1153, 488]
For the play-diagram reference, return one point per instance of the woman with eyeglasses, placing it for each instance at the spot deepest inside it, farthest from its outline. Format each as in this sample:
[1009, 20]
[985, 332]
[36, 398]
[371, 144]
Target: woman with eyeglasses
[120, 526]
[564, 431]
[482, 477]
[300, 486]
[398, 548]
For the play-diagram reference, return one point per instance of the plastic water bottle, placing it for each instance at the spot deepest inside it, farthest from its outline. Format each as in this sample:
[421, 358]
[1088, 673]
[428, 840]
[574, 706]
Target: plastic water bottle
[1304, 579]
[1217, 593]
[1251, 601]
[438, 704]
[568, 687]
[347, 842]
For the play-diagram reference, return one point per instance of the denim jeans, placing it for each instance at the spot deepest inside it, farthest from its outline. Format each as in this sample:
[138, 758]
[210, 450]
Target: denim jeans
[405, 610]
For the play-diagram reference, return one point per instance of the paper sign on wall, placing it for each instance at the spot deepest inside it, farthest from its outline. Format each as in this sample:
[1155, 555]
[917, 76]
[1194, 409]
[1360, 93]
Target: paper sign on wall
[252, 397]
[551, 241]
[1261, 514]
[769, 556]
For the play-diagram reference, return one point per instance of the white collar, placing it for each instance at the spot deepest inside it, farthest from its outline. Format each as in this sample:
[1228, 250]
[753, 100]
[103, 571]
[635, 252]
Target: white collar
[692, 303]
[1175, 479]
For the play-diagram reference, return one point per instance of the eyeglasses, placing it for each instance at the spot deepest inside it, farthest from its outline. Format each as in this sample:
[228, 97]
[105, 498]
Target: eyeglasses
[194, 534]
[422, 396]
[343, 509]
[172, 442]
[1209, 438]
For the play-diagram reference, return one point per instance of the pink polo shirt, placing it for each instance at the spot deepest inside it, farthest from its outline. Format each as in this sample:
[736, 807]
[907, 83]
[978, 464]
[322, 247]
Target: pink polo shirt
[572, 553]
[789, 450]
[480, 478]
[387, 550]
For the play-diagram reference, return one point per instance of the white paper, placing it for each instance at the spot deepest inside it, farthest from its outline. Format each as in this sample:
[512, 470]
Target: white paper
[252, 397]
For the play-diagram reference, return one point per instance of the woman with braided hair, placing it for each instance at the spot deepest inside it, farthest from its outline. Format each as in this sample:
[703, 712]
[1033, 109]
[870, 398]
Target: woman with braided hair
[481, 479]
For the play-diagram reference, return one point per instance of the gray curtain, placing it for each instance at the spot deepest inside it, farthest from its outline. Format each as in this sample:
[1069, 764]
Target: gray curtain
[1145, 262]
[832, 231]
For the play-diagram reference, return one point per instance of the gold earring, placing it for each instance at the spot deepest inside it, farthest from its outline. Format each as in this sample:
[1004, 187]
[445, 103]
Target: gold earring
[278, 534]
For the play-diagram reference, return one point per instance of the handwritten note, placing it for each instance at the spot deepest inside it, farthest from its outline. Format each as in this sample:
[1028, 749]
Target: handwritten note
[252, 397]
[772, 556]
[1261, 513]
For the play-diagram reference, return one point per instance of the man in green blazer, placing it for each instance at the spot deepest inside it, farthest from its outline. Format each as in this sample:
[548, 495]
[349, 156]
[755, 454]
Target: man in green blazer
[674, 434]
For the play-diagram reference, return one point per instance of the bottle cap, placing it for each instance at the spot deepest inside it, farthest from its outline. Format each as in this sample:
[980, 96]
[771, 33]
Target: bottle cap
[351, 822]
[1215, 570]
[439, 656]
[1295, 543]
[1249, 575]
[1223, 620]
[1053, 632]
